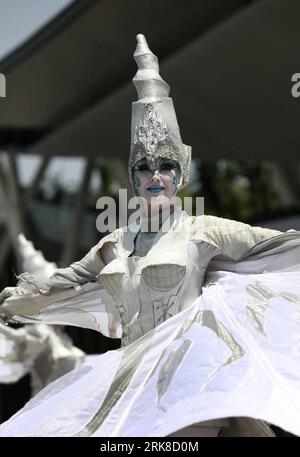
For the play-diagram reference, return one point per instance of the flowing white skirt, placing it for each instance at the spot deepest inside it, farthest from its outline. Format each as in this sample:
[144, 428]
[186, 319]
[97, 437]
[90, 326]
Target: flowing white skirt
[235, 352]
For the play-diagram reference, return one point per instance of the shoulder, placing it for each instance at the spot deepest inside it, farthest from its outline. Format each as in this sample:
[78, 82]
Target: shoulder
[107, 246]
[219, 224]
[102, 253]
[213, 229]
[113, 237]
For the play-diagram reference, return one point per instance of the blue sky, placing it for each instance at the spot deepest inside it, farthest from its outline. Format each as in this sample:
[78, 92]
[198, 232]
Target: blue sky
[19, 19]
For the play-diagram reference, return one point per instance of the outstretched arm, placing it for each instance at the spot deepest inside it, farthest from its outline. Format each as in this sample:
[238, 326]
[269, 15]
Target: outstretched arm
[231, 238]
[71, 296]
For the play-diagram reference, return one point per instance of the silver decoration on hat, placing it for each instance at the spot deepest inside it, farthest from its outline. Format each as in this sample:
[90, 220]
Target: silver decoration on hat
[150, 133]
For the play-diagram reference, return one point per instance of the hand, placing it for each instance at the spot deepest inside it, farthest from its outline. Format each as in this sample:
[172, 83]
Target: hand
[6, 317]
[9, 292]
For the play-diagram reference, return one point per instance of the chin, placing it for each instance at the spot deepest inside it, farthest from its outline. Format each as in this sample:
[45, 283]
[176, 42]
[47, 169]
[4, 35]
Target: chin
[156, 202]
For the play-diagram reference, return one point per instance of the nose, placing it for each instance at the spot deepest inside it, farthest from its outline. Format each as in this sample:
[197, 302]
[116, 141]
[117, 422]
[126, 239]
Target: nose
[155, 178]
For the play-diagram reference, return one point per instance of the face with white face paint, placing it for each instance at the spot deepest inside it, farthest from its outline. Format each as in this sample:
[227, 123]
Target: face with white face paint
[157, 185]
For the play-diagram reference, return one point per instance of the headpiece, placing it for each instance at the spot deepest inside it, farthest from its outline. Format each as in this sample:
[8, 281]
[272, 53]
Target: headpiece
[154, 128]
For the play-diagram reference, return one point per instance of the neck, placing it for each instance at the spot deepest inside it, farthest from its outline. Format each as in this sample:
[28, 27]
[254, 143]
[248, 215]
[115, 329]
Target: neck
[154, 223]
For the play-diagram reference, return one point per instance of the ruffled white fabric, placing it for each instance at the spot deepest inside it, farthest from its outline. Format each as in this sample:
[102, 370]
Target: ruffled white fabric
[45, 352]
[234, 352]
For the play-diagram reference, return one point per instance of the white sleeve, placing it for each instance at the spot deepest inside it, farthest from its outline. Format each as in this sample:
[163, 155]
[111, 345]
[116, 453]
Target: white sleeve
[231, 238]
[18, 350]
[71, 296]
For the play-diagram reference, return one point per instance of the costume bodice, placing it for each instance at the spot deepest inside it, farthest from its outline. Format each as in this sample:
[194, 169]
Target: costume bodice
[148, 290]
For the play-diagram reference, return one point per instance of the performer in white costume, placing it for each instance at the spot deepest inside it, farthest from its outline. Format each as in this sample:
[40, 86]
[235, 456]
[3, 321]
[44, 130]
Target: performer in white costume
[46, 352]
[208, 311]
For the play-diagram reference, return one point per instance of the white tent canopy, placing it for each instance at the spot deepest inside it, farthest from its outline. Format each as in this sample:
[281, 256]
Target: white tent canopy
[229, 65]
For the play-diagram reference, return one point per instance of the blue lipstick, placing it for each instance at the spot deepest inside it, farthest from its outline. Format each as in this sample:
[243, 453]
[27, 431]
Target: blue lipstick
[155, 189]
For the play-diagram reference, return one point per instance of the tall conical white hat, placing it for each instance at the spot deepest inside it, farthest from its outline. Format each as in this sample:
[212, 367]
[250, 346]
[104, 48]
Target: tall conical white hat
[154, 129]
